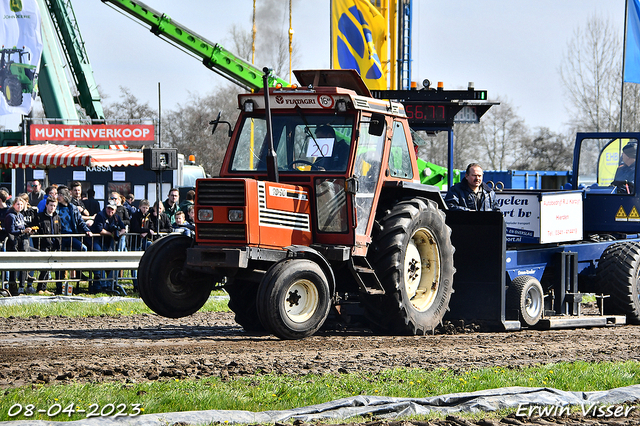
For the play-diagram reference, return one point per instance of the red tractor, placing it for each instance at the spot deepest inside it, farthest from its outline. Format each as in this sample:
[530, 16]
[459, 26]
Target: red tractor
[318, 206]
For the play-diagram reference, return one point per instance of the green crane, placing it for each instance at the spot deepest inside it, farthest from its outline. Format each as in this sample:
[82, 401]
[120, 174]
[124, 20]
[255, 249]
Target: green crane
[213, 55]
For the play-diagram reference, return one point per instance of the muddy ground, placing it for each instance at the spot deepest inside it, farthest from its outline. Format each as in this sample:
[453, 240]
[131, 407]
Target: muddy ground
[148, 347]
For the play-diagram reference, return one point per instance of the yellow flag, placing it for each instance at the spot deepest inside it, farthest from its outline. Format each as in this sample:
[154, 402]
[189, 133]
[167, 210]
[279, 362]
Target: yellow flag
[359, 40]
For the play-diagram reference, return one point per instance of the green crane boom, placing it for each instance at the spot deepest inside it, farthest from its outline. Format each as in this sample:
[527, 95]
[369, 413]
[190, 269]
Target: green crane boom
[64, 22]
[214, 56]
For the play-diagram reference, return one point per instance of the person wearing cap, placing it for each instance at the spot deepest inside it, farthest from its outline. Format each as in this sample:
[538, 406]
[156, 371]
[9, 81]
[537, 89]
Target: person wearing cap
[108, 226]
[626, 173]
[471, 194]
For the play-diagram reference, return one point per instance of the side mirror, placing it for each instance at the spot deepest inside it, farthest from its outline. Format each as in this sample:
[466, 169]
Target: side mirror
[218, 121]
[377, 124]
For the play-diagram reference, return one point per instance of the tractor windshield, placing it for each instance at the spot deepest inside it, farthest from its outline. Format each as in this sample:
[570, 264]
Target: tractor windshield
[608, 163]
[318, 143]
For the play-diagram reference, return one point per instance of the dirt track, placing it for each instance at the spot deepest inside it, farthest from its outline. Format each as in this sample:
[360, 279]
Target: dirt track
[148, 347]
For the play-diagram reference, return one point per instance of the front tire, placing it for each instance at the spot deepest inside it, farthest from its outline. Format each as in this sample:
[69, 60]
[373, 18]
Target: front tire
[618, 274]
[413, 257]
[242, 301]
[164, 286]
[294, 299]
[526, 296]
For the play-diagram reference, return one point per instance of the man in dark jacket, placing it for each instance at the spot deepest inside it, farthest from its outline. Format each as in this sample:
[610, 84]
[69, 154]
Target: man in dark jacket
[49, 224]
[626, 173]
[171, 206]
[471, 194]
[71, 222]
[107, 227]
[164, 222]
[91, 203]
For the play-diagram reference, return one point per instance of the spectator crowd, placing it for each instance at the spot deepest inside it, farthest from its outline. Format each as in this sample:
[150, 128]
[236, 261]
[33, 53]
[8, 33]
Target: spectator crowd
[63, 218]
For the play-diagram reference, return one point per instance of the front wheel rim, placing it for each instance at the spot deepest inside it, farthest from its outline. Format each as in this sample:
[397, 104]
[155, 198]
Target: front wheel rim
[301, 301]
[533, 302]
[422, 269]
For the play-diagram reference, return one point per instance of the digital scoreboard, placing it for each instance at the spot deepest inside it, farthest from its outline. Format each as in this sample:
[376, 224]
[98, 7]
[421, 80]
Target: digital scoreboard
[439, 108]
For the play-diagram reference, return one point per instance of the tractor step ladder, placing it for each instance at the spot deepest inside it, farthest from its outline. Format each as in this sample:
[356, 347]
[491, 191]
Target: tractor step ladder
[365, 275]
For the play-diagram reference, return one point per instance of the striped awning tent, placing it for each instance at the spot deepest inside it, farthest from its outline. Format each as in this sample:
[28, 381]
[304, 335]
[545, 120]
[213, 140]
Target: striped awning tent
[50, 155]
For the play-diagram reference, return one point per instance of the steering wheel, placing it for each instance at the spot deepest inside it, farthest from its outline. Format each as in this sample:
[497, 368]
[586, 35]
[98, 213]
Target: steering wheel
[308, 163]
[623, 186]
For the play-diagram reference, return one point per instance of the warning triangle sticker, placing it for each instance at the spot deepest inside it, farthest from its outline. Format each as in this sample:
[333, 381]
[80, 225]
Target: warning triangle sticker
[633, 215]
[621, 215]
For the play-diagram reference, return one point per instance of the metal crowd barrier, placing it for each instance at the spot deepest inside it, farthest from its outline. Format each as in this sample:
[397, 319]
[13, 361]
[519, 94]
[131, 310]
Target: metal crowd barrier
[68, 260]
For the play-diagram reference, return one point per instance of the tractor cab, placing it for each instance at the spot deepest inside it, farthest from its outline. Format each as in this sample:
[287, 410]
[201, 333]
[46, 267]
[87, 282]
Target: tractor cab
[605, 167]
[330, 141]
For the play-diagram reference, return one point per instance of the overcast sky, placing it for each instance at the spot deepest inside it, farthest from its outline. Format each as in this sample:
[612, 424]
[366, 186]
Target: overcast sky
[512, 48]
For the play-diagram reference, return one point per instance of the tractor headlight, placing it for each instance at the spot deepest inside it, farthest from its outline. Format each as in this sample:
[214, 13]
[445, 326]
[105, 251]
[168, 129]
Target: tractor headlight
[236, 215]
[205, 215]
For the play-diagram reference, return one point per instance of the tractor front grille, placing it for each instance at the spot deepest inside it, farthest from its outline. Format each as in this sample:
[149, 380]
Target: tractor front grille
[221, 193]
[218, 231]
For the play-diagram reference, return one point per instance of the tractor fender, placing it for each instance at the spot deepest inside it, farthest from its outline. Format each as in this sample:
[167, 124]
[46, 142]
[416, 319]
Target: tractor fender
[305, 252]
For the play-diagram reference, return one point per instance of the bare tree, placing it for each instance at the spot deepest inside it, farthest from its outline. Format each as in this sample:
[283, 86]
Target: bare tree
[272, 39]
[631, 111]
[129, 107]
[241, 41]
[546, 150]
[590, 72]
[496, 142]
[187, 127]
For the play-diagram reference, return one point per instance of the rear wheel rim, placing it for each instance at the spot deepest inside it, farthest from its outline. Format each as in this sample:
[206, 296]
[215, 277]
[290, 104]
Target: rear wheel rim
[301, 301]
[422, 269]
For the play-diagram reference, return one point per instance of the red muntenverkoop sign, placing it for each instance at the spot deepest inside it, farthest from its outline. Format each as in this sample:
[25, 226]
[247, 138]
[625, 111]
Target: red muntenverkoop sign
[102, 134]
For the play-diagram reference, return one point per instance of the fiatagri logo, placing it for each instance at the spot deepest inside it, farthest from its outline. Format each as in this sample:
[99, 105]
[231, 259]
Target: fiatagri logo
[15, 5]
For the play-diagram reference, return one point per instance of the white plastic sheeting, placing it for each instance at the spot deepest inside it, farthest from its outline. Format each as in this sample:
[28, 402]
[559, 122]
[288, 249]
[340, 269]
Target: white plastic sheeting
[379, 406]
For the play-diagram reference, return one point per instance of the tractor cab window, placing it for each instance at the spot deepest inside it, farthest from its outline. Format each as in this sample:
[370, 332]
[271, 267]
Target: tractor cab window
[367, 171]
[399, 158]
[606, 164]
[303, 143]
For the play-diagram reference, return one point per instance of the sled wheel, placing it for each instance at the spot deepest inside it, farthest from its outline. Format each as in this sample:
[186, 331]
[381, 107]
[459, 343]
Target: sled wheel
[13, 91]
[163, 286]
[526, 296]
[413, 257]
[294, 299]
[618, 274]
[242, 301]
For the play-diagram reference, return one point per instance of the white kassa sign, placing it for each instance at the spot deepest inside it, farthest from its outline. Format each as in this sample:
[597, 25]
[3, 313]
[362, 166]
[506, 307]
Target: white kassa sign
[560, 217]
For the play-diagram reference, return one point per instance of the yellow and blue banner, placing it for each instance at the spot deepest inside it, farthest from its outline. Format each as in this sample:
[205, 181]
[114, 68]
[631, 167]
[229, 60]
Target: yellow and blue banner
[359, 40]
[632, 40]
[20, 51]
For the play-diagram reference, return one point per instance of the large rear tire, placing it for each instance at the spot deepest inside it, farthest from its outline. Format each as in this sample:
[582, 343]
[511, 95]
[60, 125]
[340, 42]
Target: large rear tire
[294, 299]
[164, 286]
[413, 257]
[12, 91]
[526, 296]
[618, 274]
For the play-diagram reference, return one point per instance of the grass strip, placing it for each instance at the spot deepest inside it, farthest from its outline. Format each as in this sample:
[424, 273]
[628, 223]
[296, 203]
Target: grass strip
[88, 309]
[274, 392]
